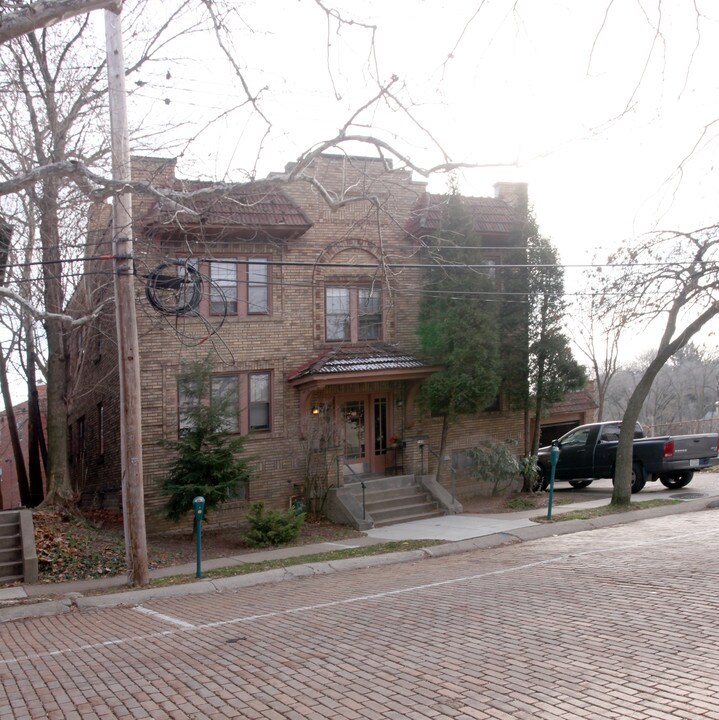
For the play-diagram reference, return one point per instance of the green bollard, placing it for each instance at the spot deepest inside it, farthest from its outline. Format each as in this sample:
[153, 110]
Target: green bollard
[198, 505]
[553, 459]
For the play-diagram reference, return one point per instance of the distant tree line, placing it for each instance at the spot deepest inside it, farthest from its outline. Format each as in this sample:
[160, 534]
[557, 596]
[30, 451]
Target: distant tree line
[682, 399]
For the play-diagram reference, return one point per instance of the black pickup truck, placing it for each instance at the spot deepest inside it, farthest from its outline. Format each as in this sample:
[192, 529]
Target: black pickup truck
[588, 453]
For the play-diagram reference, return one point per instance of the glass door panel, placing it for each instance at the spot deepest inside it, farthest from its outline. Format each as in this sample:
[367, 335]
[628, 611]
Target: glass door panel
[353, 431]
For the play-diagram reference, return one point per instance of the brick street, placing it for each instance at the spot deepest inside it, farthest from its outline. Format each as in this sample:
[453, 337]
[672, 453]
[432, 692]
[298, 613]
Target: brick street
[612, 623]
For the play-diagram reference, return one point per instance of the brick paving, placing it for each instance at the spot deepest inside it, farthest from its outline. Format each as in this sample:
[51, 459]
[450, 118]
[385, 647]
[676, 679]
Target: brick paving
[613, 623]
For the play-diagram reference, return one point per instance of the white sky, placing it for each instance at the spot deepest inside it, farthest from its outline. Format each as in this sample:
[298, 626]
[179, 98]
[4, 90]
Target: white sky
[596, 108]
[520, 86]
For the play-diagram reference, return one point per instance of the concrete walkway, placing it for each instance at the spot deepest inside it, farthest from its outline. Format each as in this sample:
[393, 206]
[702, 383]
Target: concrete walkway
[461, 533]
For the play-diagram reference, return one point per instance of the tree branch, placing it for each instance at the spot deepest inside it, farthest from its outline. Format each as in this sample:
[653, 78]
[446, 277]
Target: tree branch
[48, 12]
[30, 309]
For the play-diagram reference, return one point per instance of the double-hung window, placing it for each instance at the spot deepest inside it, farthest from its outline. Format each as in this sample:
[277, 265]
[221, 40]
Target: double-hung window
[223, 288]
[353, 314]
[244, 400]
[239, 286]
[259, 401]
[258, 299]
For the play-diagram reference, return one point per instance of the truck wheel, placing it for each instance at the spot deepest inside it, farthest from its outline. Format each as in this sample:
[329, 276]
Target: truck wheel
[579, 484]
[638, 478]
[679, 480]
[541, 482]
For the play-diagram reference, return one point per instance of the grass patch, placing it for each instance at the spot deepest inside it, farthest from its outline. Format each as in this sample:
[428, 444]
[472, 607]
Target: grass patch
[589, 513]
[521, 503]
[534, 502]
[248, 568]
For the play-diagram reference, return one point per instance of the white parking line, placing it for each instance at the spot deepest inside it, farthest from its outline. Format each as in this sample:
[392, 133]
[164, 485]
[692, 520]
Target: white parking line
[347, 601]
[166, 618]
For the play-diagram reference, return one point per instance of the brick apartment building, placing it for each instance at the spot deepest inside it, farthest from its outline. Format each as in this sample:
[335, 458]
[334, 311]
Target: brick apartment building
[308, 314]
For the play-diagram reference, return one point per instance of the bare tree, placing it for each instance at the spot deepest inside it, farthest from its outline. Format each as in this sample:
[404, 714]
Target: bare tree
[39, 57]
[667, 282]
[597, 337]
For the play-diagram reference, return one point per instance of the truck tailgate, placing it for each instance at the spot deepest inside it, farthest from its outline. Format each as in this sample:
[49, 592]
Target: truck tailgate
[691, 447]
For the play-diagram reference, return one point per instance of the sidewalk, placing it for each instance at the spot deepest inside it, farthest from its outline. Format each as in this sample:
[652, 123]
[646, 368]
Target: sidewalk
[461, 533]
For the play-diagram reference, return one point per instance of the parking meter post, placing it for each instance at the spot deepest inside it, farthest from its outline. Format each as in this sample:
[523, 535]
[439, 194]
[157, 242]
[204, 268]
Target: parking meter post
[553, 458]
[198, 505]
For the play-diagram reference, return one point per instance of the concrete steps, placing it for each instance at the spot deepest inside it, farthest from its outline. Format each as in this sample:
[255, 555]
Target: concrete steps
[393, 500]
[11, 551]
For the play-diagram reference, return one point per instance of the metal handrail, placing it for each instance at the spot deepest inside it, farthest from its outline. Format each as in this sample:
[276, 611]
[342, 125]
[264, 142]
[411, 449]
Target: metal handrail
[452, 469]
[342, 462]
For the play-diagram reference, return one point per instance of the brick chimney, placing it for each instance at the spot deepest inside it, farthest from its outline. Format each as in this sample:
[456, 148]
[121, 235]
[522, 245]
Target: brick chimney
[514, 194]
[158, 171]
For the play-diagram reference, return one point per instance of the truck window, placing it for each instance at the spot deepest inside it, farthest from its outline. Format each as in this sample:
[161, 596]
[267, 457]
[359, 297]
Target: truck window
[576, 437]
[610, 432]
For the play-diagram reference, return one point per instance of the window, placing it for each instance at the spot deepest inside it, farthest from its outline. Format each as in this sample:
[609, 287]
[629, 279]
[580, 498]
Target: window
[245, 399]
[257, 287]
[259, 401]
[369, 314]
[185, 402]
[70, 444]
[240, 286]
[225, 390]
[353, 314]
[100, 430]
[223, 290]
[337, 313]
[81, 436]
[576, 438]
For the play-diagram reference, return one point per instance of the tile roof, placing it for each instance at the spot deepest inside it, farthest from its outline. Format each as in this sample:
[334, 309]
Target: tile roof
[256, 205]
[358, 359]
[491, 215]
[574, 402]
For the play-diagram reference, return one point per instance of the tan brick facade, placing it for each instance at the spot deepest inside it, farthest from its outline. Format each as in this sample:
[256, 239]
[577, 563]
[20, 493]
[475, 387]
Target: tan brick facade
[362, 244]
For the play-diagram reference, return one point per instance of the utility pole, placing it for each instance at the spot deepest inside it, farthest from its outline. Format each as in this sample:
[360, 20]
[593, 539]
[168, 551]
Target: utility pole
[133, 502]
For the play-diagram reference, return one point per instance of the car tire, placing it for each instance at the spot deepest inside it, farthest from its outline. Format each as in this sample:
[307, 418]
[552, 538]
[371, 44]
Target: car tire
[579, 484]
[541, 482]
[639, 480]
[674, 482]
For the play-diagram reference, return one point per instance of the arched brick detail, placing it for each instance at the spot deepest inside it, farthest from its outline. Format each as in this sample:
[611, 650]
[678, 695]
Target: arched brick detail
[371, 254]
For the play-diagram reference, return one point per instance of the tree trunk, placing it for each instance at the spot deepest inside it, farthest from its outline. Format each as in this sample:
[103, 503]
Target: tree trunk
[22, 482]
[23, 485]
[538, 406]
[442, 446]
[35, 434]
[60, 493]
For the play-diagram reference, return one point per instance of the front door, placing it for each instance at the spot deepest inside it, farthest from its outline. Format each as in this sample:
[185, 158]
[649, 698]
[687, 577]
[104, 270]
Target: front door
[363, 433]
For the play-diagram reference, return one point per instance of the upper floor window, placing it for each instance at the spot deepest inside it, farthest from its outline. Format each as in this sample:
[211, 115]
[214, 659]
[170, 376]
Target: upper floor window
[353, 314]
[240, 286]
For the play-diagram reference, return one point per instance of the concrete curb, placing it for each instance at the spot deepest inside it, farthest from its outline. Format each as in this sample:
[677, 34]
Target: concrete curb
[205, 586]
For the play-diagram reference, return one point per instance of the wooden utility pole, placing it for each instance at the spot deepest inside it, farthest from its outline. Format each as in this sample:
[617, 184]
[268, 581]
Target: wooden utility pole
[133, 502]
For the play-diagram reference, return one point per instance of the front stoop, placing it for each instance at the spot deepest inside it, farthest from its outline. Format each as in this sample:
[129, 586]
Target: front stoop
[387, 501]
[18, 558]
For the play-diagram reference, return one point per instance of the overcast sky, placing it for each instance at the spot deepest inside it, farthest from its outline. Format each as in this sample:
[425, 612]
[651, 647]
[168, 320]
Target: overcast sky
[596, 108]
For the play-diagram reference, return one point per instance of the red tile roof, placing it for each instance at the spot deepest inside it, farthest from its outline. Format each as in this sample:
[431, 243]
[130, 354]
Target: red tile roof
[575, 402]
[491, 215]
[255, 205]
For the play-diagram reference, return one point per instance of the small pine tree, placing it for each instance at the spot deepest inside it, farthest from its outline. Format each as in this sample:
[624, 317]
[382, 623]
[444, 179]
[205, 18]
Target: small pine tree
[207, 462]
[272, 527]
